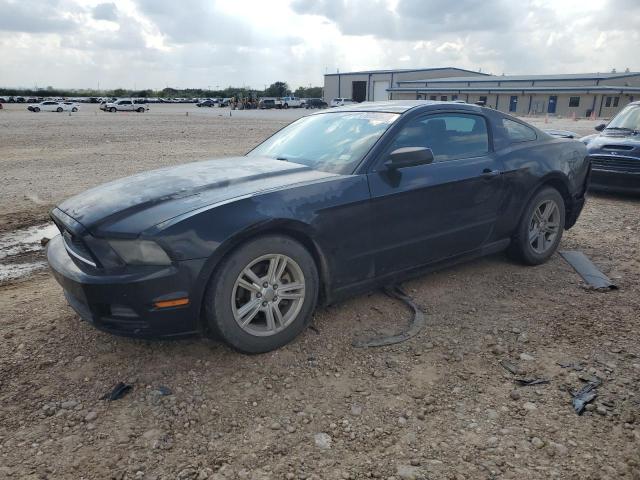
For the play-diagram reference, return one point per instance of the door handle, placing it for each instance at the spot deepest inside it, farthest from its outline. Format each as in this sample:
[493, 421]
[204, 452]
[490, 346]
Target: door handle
[488, 173]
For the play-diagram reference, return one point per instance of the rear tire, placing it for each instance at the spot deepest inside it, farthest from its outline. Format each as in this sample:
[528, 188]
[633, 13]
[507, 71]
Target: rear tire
[252, 317]
[540, 229]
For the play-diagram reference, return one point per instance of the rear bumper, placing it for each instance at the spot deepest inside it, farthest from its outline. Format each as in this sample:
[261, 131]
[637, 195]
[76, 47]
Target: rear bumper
[606, 180]
[122, 303]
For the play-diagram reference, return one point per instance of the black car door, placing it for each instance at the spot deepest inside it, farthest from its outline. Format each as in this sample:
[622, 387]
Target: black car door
[430, 212]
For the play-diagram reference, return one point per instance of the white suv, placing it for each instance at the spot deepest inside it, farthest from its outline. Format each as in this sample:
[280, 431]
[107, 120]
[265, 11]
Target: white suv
[125, 105]
[341, 102]
[293, 102]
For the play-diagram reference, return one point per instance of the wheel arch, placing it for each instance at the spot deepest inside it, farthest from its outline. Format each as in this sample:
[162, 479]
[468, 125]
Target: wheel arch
[296, 230]
[559, 182]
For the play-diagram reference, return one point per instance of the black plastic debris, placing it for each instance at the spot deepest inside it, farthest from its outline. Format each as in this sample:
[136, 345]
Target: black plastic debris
[584, 396]
[587, 270]
[119, 391]
[164, 390]
[572, 365]
[528, 382]
[416, 324]
[510, 367]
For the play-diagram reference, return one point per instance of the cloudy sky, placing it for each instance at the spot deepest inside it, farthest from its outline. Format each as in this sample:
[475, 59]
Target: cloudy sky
[209, 43]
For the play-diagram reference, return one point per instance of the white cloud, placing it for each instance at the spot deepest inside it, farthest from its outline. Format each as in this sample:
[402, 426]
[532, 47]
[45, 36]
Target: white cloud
[200, 43]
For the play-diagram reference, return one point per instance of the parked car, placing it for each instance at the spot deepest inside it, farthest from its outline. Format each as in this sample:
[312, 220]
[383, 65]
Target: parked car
[341, 102]
[206, 103]
[615, 152]
[125, 105]
[291, 102]
[70, 106]
[337, 203]
[47, 106]
[266, 103]
[315, 103]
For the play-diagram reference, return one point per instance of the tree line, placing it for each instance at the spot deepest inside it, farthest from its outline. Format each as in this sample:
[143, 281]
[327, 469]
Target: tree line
[276, 89]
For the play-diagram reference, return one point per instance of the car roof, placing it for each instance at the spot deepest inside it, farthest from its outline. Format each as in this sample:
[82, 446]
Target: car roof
[402, 106]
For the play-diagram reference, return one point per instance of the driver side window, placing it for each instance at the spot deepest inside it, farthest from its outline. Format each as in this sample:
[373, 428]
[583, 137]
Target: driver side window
[450, 136]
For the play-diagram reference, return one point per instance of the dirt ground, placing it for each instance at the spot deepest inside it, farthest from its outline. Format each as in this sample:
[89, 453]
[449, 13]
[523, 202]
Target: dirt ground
[439, 406]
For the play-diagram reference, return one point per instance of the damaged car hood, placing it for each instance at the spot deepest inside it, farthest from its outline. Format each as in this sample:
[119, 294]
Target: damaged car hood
[171, 191]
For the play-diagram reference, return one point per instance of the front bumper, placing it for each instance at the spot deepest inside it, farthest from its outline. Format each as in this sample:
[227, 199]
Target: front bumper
[122, 303]
[623, 182]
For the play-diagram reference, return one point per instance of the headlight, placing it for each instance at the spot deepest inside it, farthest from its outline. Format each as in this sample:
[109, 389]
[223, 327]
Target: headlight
[140, 252]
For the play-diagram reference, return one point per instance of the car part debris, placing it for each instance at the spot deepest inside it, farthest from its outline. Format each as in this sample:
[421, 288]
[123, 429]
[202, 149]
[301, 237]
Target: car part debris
[585, 395]
[164, 390]
[415, 326]
[572, 365]
[528, 382]
[587, 270]
[510, 367]
[119, 391]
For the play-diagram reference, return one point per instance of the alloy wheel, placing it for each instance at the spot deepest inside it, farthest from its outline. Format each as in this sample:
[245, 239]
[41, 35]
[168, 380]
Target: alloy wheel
[544, 226]
[268, 295]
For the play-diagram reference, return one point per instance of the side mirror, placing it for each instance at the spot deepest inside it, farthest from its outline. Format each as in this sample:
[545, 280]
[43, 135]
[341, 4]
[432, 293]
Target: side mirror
[409, 157]
[601, 127]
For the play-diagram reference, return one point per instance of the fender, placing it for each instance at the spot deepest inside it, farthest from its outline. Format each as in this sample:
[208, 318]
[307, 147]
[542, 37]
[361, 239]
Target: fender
[298, 230]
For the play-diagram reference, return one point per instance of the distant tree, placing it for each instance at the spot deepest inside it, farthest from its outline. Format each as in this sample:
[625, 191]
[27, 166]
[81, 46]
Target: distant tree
[311, 92]
[277, 89]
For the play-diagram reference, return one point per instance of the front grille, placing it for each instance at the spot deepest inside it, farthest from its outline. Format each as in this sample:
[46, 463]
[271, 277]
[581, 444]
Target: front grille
[615, 164]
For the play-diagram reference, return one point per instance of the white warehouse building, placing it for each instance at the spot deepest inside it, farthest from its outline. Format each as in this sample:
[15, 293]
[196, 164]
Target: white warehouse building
[602, 94]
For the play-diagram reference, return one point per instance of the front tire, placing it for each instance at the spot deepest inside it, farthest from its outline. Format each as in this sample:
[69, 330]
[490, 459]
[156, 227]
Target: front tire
[263, 295]
[36, 109]
[540, 229]
[59, 109]
[140, 110]
[112, 109]
[74, 109]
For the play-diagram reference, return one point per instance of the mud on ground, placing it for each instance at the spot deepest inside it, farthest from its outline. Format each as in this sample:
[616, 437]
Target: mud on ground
[437, 406]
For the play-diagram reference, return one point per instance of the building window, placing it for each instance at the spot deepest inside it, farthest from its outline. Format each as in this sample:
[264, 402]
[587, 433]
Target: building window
[616, 100]
[608, 102]
[574, 101]
[432, 97]
[443, 98]
[483, 100]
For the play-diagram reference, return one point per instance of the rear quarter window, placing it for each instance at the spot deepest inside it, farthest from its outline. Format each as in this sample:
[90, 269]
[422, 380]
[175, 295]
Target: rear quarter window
[517, 132]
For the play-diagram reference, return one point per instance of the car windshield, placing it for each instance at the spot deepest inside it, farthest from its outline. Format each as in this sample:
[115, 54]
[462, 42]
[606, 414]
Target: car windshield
[627, 119]
[331, 142]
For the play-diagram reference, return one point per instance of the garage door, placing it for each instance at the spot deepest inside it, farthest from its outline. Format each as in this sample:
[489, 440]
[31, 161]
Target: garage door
[380, 91]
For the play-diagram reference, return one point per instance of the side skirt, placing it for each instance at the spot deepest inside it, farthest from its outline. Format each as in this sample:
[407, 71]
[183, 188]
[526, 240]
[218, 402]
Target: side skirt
[343, 293]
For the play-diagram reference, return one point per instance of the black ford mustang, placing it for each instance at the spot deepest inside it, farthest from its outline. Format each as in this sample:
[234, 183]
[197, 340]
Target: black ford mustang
[615, 152]
[334, 204]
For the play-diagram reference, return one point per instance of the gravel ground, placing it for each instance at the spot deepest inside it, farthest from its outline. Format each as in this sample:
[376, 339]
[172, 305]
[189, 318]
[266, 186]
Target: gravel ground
[439, 406]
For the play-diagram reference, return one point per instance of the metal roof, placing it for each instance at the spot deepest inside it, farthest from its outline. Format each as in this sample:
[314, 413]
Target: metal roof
[526, 78]
[405, 70]
[394, 106]
[587, 88]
